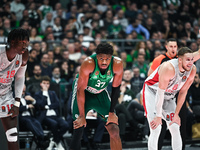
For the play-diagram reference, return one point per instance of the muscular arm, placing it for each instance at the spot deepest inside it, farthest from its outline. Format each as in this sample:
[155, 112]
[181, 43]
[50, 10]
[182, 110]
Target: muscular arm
[183, 92]
[20, 76]
[118, 73]
[166, 72]
[86, 68]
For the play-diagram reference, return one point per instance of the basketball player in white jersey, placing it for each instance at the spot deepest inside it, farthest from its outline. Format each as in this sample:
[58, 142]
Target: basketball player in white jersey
[13, 59]
[159, 92]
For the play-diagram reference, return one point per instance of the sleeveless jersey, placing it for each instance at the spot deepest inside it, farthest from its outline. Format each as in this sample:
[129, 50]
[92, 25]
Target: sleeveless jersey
[175, 84]
[98, 82]
[8, 69]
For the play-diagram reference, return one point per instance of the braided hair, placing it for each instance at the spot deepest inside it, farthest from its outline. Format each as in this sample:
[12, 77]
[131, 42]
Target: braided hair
[18, 34]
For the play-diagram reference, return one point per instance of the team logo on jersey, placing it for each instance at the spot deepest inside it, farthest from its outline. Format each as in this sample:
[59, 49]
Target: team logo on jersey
[108, 73]
[96, 73]
[167, 118]
[17, 63]
[184, 78]
[3, 108]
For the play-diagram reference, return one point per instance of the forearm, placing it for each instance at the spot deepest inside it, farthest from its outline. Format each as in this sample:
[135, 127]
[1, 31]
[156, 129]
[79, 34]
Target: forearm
[180, 101]
[114, 97]
[81, 102]
[196, 55]
[19, 82]
[159, 101]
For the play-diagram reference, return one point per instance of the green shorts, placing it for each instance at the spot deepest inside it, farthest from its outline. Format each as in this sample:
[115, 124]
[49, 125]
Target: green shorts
[98, 102]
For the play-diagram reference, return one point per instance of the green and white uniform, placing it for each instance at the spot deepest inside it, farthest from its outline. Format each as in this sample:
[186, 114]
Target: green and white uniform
[96, 94]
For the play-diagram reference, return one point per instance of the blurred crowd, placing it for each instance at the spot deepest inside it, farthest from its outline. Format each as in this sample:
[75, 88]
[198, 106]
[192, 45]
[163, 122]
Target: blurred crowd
[63, 33]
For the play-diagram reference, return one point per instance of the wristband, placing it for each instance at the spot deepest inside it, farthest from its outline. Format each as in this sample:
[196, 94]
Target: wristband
[17, 103]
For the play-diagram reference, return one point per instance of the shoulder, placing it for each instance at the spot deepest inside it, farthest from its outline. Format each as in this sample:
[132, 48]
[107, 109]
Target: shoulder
[117, 64]
[88, 65]
[167, 69]
[25, 58]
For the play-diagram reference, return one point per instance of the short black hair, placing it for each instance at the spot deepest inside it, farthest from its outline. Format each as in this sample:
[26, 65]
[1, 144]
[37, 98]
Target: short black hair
[104, 48]
[18, 34]
[171, 40]
[184, 50]
[45, 78]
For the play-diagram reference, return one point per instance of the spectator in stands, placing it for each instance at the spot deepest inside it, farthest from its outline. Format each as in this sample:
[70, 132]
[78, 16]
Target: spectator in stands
[33, 84]
[58, 7]
[73, 13]
[188, 34]
[47, 21]
[141, 49]
[34, 17]
[71, 64]
[3, 38]
[108, 18]
[80, 23]
[32, 61]
[72, 54]
[45, 67]
[7, 13]
[57, 28]
[141, 64]
[27, 121]
[125, 98]
[34, 37]
[103, 6]
[37, 47]
[122, 20]
[135, 25]
[6, 26]
[114, 28]
[57, 55]
[47, 106]
[56, 86]
[44, 9]
[132, 11]
[64, 69]
[17, 7]
[137, 81]
[150, 26]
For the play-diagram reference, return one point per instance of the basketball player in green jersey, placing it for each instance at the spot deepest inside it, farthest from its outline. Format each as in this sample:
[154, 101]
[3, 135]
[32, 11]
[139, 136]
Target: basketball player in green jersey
[89, 92]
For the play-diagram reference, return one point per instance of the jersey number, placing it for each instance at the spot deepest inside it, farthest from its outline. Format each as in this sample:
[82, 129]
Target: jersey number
[10, 74]
[100, 84]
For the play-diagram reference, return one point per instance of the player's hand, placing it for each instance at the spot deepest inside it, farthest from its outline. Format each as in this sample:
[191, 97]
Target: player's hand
[14, 111]
[79, 122]
[155, 122]
[176, 119]
[112, 118]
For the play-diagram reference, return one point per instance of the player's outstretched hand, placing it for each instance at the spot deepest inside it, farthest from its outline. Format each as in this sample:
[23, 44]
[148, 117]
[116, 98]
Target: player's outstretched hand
[112, 118]
[155, 122]
[14, 111]
[79, 122]
[176, 119]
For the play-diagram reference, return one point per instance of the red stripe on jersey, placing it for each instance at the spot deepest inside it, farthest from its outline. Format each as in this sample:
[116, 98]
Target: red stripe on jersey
[153, 80]
[144, 105]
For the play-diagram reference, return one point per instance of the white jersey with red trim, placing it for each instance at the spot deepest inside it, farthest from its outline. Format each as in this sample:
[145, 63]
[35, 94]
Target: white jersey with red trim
[8, 69]
[175, 84]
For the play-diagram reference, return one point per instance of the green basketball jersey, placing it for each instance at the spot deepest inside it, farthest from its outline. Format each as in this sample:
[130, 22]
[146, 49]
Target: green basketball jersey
[98, 82]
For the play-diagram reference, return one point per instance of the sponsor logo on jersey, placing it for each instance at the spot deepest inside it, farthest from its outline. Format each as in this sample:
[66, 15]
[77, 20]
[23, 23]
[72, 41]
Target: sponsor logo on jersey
[184, 78]
[93, 90]
[96, 73]
[3, 109]
[17, 63]
[108, 73]
[2, 80]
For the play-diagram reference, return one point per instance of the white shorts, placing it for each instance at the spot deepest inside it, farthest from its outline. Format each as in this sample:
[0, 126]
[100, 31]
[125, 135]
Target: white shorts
[6, 102]
[149, 103]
